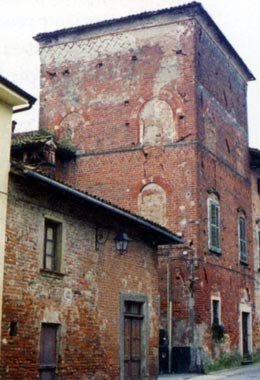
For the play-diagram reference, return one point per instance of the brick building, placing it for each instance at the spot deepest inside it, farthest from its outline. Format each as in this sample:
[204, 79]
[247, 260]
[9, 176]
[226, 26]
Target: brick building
[75, 305]
[156, 105]
[12, 100]
[255, 177]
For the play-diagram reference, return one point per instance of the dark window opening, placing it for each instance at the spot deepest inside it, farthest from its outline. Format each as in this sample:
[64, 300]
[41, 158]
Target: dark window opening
[13, 328]
[215, 312]
[227, 145]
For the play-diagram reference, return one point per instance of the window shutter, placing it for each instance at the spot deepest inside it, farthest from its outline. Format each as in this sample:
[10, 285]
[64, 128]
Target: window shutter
[242, 240]
[214, 225]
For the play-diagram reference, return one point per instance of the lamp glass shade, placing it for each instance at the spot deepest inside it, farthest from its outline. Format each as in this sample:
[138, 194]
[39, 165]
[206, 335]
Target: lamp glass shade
[121, 241]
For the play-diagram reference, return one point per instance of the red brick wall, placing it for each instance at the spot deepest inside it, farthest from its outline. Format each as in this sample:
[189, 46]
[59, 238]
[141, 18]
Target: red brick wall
[255, 175]
[90, 318]
[99, 103]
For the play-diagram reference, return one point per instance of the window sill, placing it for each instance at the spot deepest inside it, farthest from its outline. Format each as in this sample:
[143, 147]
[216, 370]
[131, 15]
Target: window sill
[52, 274]
[216, 251]
[244, 263]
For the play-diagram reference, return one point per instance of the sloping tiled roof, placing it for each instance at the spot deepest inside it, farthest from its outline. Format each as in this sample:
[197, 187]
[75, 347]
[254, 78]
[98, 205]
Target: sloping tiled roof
[151, 231]
[190, 9]
[65, 149]
[254, 158]
[21, 140]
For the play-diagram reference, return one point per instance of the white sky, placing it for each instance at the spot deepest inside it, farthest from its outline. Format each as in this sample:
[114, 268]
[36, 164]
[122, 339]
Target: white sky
[239, 20]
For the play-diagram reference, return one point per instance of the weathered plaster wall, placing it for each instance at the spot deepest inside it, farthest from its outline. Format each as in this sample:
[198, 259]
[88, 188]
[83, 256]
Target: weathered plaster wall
[109, 93]
[134, 114]
[5, 141]
[84, 301]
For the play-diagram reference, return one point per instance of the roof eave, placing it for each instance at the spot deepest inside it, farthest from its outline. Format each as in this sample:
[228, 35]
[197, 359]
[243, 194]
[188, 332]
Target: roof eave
[19, 97]
[161, 235]
[191, 10]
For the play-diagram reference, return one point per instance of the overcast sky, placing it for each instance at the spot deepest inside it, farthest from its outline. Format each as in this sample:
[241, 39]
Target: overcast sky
[20, 20]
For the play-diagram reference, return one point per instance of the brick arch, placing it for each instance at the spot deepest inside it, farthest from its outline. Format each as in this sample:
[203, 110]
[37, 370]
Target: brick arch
[137, 188]
[157, 122]
[152, 203]
[71, 128]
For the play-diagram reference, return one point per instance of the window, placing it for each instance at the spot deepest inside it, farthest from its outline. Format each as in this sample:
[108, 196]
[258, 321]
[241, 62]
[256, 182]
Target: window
[242, 239]
[52, 246]
[214, 226]
[48, 351]
[215, 312]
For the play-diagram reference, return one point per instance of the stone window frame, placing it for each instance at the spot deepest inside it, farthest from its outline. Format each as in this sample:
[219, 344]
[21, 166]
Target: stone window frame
[55, 220]
[145, 331]
[242, 240]
[213, 200]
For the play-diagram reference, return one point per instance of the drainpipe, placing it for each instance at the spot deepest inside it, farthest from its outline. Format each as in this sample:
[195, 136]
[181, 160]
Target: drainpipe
[169, 318]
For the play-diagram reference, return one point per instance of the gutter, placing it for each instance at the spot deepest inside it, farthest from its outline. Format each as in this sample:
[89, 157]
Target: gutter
[147, 225]
[26, 108]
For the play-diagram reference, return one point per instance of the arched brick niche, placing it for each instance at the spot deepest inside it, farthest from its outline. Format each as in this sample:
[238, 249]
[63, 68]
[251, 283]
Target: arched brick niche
[157, 124]
[152, 203]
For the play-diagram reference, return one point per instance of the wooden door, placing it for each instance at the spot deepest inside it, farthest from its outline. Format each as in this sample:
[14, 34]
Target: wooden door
[48, 343]
[245, 332]
[132, 345]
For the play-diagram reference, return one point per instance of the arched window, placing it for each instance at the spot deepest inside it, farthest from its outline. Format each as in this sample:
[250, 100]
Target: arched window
[157, 124]
[152, 203]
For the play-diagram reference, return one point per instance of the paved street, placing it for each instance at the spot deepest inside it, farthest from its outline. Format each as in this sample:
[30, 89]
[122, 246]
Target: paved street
[250, 372]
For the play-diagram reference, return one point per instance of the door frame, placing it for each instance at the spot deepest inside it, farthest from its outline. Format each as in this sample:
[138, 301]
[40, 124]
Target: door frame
[145, 332]
[243, 308]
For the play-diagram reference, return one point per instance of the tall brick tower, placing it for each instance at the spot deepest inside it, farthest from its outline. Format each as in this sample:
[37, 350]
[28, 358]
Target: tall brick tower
[156, 105]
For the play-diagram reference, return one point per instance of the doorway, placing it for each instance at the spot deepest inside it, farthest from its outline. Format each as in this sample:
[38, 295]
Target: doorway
[245, 334]
[48, 351]
[133, 318]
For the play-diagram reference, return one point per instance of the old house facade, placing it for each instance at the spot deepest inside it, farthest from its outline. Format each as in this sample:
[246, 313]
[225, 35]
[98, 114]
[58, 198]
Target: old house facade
[12, 99]
[75, 303]
[156, 106]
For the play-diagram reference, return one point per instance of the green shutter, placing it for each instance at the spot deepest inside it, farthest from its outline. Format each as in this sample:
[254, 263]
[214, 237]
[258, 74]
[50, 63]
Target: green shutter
[242, 240]
[214, 226]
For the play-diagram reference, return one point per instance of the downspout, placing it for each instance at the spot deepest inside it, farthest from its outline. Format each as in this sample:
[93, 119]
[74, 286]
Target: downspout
[169, 318]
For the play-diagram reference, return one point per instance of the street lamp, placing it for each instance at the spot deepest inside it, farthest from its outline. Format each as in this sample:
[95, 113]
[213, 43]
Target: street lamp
[121, 242]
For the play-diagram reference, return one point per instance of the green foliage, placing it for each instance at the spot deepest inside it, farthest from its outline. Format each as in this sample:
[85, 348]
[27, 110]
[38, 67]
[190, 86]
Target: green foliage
[224, 361]
[256, 357]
